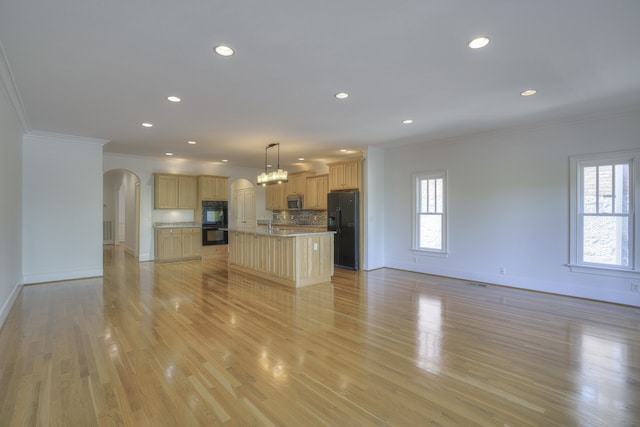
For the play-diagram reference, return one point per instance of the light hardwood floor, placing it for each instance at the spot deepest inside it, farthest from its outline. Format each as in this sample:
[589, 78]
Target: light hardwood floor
[192, 343]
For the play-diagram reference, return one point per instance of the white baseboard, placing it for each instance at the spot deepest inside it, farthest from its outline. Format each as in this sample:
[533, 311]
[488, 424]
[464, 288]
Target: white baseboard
[61, 275]
[6, 308]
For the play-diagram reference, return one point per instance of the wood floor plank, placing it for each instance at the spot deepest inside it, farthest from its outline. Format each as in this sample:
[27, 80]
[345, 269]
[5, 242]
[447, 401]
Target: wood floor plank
[194, 343]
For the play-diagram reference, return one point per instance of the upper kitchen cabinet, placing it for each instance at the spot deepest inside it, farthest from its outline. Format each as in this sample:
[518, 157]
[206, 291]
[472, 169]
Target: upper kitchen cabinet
[213, 187]
[316, 197]
[345, 175]
[298, 183]
[175, 191]
[275, 197]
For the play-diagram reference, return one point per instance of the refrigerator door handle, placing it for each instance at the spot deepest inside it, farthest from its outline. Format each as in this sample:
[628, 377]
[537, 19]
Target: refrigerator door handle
[338, 220]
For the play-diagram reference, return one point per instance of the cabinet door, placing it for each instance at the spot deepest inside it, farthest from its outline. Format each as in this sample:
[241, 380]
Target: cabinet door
[165, 191]
[187, 192]
[321, 187]
[221, 192]
[275, 197]
[168, 243]
[206, 186]
[316, 197]
[311, 198]
[336, 177]
[352, 175]
[191, 242]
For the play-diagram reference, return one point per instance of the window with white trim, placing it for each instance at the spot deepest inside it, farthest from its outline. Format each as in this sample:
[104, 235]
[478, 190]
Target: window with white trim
[430, 219]
[604, 232]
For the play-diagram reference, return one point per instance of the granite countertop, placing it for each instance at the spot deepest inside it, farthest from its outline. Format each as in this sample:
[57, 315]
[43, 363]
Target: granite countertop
[177, 225]
[280, 231]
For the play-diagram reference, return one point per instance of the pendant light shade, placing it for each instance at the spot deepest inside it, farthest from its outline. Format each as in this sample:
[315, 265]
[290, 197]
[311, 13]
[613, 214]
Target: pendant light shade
[274, 177]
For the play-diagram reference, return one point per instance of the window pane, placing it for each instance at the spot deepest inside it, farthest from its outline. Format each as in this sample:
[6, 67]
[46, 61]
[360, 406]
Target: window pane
[432, 195]
[606, 240]
[423, 195]
[605, 189]
[431, 231]
[589, 190]
[439, 198]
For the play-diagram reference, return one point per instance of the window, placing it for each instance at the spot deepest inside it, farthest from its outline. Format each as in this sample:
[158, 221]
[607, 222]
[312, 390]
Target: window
[430, 222]
[603, 204]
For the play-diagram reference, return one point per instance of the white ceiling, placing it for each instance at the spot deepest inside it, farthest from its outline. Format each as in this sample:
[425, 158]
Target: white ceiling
[100, 68]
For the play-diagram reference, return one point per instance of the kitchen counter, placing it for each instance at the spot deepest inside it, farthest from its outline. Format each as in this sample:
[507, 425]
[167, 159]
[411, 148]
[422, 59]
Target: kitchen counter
[282, 231]
[177, 225]
[289, 256]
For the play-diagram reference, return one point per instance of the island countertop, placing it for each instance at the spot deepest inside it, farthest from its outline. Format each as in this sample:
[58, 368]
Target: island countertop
[280, 231]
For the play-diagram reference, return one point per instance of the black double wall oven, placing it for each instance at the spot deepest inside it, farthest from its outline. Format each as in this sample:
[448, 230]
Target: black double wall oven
[214, 223]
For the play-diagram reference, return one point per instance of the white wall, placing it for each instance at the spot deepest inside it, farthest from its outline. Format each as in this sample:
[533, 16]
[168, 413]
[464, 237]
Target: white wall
[374, 209]
[508, 204]
[10, 199]
[145, 167]
[62, 207]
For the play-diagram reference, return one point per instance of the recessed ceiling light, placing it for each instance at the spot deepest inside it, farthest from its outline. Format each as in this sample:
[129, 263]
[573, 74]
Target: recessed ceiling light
[168, 154]
[191, 142]
[342, 95]
[407, 122]
[300, 158]
[173, 99]
[223, 50]
[225, 161]
[478, 42]
[344, 150]
[147, 125]
[528, 92]
[269, 165]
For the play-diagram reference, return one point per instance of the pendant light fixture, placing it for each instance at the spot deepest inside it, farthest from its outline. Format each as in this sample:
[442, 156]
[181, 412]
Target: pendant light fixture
[275, 177]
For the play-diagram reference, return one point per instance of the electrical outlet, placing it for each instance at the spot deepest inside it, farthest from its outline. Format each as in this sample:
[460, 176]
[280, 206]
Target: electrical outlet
[503, 270]
[635, 286]
[315, 246]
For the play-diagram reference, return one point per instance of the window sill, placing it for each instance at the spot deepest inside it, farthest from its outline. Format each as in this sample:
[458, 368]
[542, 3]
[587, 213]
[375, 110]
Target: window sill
[603, 271]
[426, 252]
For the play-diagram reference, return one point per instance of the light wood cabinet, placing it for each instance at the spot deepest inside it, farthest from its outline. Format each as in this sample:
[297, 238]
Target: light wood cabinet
[275, 197]
[176, 244]
[213, 187]
[191, 242]
[345, 175]
[317, 189]
[298, 183]
[298, 260]
[175, 191]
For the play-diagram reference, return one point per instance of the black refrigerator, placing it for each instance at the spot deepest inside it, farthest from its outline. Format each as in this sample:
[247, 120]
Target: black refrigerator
[343, 217]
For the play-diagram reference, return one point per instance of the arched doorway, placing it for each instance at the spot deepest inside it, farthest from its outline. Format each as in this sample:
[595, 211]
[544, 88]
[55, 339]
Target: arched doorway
[121, 210]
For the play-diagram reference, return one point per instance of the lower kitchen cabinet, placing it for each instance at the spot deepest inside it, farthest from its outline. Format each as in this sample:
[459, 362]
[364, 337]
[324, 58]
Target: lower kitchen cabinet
[296, 260]
[176, 244]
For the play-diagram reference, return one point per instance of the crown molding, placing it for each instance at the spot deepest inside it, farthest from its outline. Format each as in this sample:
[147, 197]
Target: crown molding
[48, 136]
[8, 86]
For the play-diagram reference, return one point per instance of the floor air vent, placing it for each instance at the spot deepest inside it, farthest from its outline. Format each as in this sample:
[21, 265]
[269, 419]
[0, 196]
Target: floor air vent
[481, 285]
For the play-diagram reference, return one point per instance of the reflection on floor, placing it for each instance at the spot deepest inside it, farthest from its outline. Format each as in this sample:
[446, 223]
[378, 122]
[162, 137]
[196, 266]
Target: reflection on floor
[193, 343]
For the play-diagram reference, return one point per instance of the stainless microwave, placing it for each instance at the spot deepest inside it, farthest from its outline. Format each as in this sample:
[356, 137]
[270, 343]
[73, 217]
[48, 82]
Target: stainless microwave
[294, 202]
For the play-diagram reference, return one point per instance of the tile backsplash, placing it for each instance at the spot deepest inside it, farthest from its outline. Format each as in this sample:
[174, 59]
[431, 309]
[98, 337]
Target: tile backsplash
[301, 217]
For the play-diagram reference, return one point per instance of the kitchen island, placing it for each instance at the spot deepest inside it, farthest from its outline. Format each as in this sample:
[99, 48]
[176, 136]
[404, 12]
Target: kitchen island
[292, 257]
